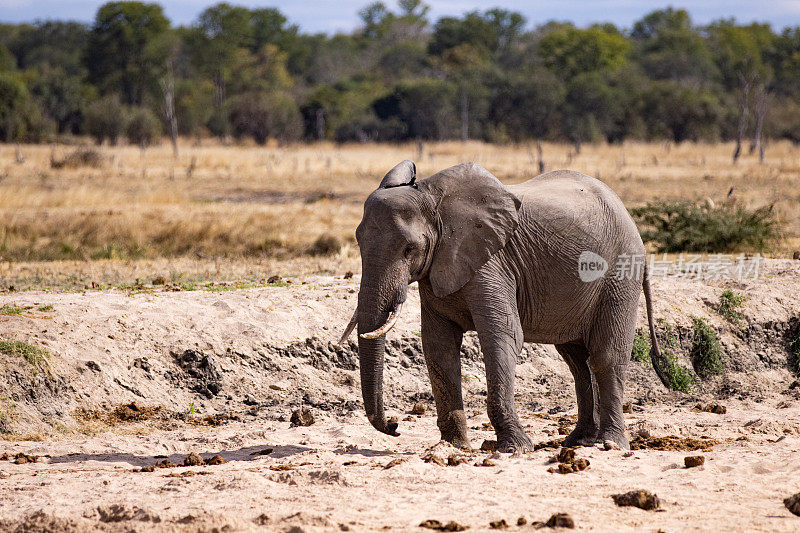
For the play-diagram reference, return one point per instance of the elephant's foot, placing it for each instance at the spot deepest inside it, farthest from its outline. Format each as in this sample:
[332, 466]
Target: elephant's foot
[454, 429]
[614, 435]
[581, 436]
[513, 440]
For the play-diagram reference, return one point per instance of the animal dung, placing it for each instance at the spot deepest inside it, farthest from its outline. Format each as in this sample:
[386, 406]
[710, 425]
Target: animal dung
[643, 499]
[694, 460]
[561, 520]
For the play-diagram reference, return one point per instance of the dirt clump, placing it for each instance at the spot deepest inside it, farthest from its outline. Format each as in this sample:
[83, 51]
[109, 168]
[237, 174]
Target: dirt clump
[119, 513]
[793, 504]
[194, 459]
[164, 463]
[215, 420]
[568, 463]
[216, 460]
[23, 458]
[205, 377]
[555, 444]
[301, 417]
[452, 525]
[394, 462]
[716, 408]
[561, 520]
[692, 461]
[419, 408]
[672, 443]
[643, 499]
[486, 462]
[499, 524]
[489, 446]
[133, 412]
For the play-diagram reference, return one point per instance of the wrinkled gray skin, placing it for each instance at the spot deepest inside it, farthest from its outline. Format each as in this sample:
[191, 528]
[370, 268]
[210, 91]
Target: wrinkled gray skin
[502, 261]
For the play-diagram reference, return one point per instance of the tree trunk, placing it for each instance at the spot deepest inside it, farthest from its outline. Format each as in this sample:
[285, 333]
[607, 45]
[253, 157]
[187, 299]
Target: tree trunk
[761, 104]
[464, 115]
[320, 124]
[541, 157]
[168, 86]
[745, 85]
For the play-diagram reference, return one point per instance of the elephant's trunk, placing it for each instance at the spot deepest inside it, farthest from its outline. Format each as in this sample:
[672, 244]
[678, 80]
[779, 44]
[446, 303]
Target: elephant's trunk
[372, 316]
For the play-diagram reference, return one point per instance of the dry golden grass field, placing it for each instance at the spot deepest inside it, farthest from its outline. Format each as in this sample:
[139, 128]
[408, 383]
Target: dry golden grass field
[247, 212]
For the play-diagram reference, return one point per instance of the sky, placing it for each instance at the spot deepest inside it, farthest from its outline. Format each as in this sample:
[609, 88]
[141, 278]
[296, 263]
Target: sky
[331, 16]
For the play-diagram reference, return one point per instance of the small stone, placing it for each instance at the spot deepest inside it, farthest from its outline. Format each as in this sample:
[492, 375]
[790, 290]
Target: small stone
[194, 460]
[694, 460]
[438, 526]
[561, 520]
[419, 408]
[488, 462]
[348, 275]
[499, 524]
[642, 499]
[627, 407]
[793, 504]
[521, 521]
[301, 417]
[216, 460]
[250, 400]
[610, 445]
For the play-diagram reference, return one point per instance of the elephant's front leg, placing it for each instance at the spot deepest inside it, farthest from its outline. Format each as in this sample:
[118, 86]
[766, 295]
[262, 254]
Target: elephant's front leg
[497, 323]
[441, 344]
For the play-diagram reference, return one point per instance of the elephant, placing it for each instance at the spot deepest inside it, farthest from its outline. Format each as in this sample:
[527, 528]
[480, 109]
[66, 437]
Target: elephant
[518, 263]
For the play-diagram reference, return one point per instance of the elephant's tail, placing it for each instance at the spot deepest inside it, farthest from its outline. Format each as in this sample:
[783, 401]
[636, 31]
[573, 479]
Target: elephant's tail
[660, 362]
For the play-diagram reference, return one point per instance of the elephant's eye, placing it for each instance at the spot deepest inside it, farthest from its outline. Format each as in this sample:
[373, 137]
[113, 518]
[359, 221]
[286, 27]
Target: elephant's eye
[409, 251]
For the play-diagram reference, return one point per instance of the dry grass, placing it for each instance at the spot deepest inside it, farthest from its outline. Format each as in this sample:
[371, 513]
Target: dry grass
[259, 210]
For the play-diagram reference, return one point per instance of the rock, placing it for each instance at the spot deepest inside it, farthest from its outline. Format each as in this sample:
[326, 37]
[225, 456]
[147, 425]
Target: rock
[561, 520]
[610, 445]
[194, 460]
[489, 445]
[499, 524]
[249, 399]
[419, 408]
[216, 460]
[627, 407]
[642, 499]
[93, 366]
[348, 275]
[486, 462]
[796, 255]
[521, 521]
[301, 417]
[438, 526]
[715, 408]
[394, 462]
[793, 504]
[22, 458]
[694, 460]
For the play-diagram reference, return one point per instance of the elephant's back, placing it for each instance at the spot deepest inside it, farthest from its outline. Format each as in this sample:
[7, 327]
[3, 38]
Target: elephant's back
[565, 202]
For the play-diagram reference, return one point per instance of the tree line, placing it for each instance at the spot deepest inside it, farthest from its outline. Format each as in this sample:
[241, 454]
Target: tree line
[239, 72]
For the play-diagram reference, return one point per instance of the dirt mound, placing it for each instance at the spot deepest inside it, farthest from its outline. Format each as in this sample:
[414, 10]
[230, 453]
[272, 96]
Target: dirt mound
[672, 443]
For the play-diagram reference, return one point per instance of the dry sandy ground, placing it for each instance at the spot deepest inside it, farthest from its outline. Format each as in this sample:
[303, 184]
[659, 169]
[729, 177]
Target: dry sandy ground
[258, 354]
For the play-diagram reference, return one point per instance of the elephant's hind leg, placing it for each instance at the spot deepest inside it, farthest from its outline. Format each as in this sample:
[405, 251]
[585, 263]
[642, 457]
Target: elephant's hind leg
[576, 355]
[610, 343]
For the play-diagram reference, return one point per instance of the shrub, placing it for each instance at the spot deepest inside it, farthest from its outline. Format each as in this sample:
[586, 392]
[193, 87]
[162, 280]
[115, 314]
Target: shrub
[730, 303]
[82, 157]
[683, 226]
[143, 128]
[706, 351]
[641, 347]
[32, 354]
[265, 115]
[678, 377]
[106, 119]
[326, 244]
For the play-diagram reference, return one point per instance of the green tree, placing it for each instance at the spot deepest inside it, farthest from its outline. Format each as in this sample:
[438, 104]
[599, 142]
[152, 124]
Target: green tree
[569, 51]
[266, 115]
[122, 53]
[106, 119]
[143, 127]
[493, 31]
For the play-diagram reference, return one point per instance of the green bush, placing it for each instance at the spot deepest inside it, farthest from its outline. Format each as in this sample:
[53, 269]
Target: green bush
[265, 115]
[641, 347]
[706, 351]
[106, 119]
[684, 226]
[679, 378]
[143, 128]
[730, 304]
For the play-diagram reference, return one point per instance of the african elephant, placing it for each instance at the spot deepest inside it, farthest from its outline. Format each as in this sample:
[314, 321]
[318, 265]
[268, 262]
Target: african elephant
[513, 264]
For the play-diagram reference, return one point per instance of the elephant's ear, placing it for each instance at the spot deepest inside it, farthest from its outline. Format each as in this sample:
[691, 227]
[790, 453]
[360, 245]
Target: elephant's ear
[478, 215]
[404, 173]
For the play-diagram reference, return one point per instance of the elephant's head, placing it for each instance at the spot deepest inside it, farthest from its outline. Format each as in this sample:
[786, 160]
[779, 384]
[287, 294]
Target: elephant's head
[442, 228]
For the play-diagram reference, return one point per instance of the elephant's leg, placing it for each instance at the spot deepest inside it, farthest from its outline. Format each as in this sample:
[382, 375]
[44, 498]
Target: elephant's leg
[610, 343]
[496, 320]
[441, 344]
[576, 355]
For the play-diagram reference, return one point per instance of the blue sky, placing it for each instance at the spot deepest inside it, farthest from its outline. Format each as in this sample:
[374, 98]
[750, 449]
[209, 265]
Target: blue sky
[331, 16]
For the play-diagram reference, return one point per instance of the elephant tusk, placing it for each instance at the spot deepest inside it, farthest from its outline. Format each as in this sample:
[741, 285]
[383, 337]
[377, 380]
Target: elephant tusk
[390, 322]
[350, 326]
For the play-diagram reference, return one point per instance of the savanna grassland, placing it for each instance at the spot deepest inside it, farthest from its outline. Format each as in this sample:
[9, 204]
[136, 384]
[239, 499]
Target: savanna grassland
[241, 212]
